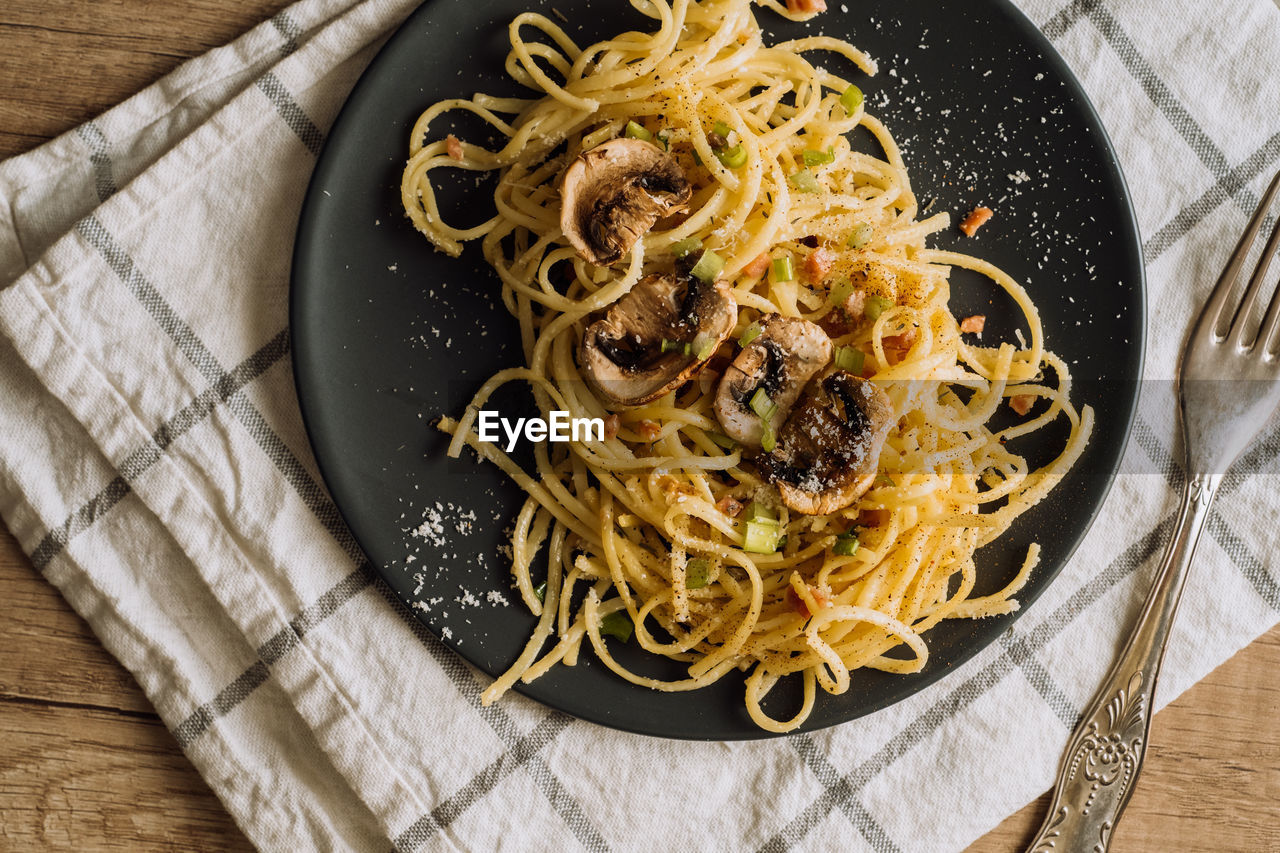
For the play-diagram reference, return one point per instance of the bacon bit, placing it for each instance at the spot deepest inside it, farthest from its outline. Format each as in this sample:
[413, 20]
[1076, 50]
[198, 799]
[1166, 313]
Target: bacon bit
[975, 219]
[846, 317]
[673, 488]
[897, 346]
[800, 606]
[730, 506]
[873, 517]
[806, 7]
[611, 425]
[649, 430]
[758, 267]
[1022, 403]
[906, 339]
[818, 264]
[976, 323]
[855, 306]
[455, 147]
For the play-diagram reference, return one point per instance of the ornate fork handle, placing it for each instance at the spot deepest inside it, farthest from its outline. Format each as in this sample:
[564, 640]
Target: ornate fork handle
[1106, 750]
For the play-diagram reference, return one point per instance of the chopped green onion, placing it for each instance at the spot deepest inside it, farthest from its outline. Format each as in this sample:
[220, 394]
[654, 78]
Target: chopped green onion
[762, 405]
[541, 591]
[697, 158]
[757, 511]
[721, 129]
[783, 270]
[703, 346]
[675, 346]
[733, 158]
[708, 266]
[861, 236]
[804, 181]
[883, 479]
[617, 624]
[840, 291]
[850, 359]
[817, 158]
[767, 439]
[851, 99]
[664, 139]
[637, 131]
[846, 545]
[876, 306]
[761, 537]
[680, 248]
[696, 573]
[723, 441]
[749, 334]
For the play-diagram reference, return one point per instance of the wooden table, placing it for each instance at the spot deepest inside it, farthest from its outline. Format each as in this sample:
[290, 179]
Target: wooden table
[86, 763]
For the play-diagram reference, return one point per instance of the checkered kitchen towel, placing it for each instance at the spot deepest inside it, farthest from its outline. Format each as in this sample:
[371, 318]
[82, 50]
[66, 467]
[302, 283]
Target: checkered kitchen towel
[155, 468]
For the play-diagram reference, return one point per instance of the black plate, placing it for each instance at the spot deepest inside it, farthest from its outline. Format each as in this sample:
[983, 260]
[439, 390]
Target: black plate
[388, 333]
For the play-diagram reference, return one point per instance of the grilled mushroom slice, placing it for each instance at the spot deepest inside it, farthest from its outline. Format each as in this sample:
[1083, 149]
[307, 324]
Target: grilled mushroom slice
[622, 352]
[828, 449]
[613, 193]
[780, 361]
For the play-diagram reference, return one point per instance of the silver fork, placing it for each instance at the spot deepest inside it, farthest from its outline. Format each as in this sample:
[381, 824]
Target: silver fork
[1228, 389]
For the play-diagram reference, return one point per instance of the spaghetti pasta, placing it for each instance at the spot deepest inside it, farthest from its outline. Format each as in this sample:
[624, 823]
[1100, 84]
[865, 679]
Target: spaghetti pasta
[653, 525]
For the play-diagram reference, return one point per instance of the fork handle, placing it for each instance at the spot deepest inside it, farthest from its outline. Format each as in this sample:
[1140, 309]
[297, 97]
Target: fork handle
[1106, 750]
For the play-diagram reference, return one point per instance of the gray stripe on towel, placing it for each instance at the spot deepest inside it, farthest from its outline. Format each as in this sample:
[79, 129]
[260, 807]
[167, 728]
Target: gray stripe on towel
[1171, 106]
[845, 798]
[440, 817]
[288, 637]
[1246, 563]
[84, 517]
[269, 84]
[282, 642]
[286, 26]
[227, 699]
[1233, 182]
[100, 157]
[1253, 569]
[119, 261]
[1041, 680]
[564, 804]
[1060, 24]
[191, 347]
[514, 757]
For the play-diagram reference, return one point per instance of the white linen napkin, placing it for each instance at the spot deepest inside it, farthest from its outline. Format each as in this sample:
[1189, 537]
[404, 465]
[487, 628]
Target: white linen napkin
[156, 470]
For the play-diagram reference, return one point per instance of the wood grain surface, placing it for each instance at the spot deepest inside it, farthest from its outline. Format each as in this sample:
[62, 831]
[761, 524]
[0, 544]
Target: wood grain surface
[86, 764]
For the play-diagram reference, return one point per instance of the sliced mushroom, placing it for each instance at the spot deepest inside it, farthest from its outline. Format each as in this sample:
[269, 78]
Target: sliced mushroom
[781, 360]
[829, 448]
[622, 352]
[613, 193]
